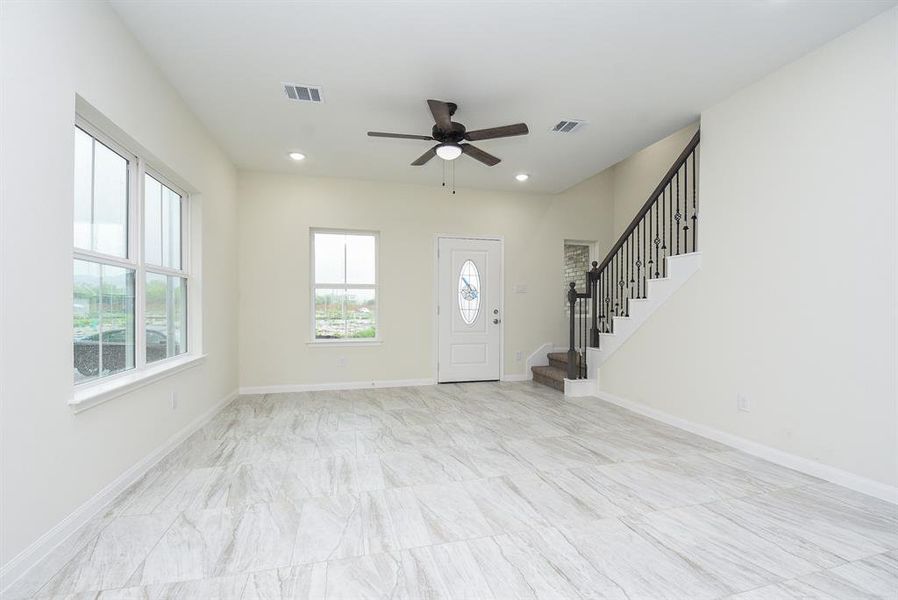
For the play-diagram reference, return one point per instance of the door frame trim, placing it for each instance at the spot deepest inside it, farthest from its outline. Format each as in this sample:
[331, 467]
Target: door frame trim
[435, 325]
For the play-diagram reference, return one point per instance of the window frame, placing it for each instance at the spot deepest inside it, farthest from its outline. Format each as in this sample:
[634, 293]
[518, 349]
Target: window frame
[314, 285]
[95, 390]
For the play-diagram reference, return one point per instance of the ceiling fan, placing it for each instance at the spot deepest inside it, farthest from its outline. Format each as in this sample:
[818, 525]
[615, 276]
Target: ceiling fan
[450, 136]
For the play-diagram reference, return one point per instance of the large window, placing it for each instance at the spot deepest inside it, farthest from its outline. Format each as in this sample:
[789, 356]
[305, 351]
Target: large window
[344, 285]
[129, 303]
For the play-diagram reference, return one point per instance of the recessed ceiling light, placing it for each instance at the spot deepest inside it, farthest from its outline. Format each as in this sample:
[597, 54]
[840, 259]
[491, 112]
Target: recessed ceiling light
[297, 155]
[522, 177]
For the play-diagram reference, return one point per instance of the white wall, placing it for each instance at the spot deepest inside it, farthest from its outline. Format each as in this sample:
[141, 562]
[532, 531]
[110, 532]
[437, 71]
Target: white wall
[276, 212]
[52, 459]
[635, 177]
[796, 303]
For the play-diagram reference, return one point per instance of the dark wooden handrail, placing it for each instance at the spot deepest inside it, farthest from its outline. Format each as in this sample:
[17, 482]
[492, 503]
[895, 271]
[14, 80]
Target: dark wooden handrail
[652, 198]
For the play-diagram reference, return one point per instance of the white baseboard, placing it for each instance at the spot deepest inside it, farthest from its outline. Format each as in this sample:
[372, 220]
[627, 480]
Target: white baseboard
[17, 566]
[578, 388]
[321, 387]
[851, 481]
[518, 377]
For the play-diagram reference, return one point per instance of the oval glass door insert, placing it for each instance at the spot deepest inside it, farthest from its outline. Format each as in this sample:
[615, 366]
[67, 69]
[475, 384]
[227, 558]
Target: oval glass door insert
[469, 292]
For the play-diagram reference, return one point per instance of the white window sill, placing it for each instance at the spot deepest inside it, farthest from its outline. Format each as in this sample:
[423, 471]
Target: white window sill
[92, 394]
[358, 342]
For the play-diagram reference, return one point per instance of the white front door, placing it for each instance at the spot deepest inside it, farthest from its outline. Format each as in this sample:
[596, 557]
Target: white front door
[469, 312]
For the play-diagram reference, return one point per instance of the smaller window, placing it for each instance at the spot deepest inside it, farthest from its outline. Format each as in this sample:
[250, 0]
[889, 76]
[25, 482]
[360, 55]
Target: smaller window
[469, 292]
[344, 285]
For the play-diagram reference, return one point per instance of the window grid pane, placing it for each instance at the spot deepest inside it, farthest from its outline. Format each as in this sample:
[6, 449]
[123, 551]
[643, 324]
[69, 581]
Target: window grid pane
[344, 279]
[165, 316]
[101, 197]
[103, 320]
[162, 224]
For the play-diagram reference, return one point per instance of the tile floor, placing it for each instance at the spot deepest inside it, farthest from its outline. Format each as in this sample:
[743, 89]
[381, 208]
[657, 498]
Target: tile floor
[478, 491]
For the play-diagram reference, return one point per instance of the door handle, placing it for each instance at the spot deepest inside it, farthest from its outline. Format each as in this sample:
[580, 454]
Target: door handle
[496, 321]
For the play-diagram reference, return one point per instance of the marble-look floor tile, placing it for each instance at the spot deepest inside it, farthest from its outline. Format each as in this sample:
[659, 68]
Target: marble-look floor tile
[475, 490]
[492, 460]
[547, 454]
[869, 518]
[733, 555]
[459, 568]
[305, 582]
[111, 557]
[554, 502]
[449, 513]
[240, 486]
[872, 577]
[803, 532]
[640, 568]
[36, 578]
[437, 465]
[378, 576]
[726, 480]
[503, 506]
[334, 476]
[329, 528]
[264, 538]
[192, 548]
[768, 472]
[539, 563]
[658, 484]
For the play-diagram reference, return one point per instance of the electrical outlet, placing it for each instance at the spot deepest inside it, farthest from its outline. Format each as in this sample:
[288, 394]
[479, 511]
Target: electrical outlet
[174, 401]
[743, 403]
[519, 356]
[341, 361]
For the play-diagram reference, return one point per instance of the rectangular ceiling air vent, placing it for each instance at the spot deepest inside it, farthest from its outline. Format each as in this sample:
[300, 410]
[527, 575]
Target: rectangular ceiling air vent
[303, 93]
[568, 126]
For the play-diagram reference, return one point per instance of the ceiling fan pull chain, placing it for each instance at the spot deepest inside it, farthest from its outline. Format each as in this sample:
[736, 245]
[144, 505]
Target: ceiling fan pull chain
[444, 173]
[453, 177]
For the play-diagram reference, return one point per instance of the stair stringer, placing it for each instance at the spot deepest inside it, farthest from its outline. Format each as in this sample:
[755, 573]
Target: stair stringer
[680, 269]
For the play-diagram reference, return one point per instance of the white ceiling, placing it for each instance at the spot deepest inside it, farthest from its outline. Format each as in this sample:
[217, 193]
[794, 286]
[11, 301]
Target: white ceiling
[635, 71]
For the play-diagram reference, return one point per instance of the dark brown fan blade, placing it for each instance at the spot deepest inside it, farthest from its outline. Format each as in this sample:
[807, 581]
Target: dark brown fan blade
[440, 111]
[497, 132]
[402, 136]
[478, 154]
[425, 157]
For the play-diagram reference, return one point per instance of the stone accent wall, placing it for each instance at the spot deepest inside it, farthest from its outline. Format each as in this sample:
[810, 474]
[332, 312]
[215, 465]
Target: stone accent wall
[576, 263]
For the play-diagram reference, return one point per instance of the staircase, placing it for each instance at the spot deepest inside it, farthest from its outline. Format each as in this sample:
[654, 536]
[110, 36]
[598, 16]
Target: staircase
[554, 373]
[656, 254]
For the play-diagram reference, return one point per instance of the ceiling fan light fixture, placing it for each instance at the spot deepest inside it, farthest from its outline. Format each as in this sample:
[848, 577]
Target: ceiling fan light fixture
[522, 176]
[297, 155]
[449, 151]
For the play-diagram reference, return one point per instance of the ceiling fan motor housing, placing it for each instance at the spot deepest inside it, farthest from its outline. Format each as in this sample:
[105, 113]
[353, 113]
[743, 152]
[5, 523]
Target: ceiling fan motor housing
[456, 135]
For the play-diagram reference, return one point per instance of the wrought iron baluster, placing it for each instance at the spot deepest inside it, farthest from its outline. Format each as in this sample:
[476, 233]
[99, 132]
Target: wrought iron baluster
[638, 261]
[694, 224]
[686, 205]
[664, 232]
[678, 215]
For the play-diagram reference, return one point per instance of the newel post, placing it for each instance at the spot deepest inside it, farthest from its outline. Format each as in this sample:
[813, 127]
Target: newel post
[572, 352]
[593, 279]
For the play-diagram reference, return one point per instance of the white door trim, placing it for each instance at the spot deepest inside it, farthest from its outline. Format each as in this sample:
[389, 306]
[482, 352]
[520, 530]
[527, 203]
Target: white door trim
[435, 323]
